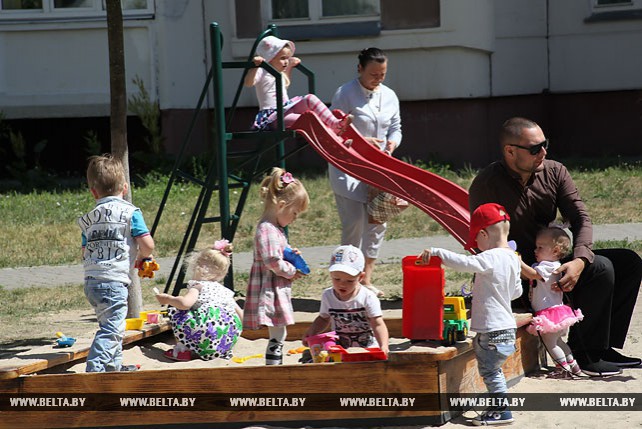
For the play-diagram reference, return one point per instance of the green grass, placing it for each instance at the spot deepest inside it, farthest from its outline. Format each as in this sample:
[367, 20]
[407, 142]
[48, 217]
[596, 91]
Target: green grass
[39, 228]
[612, 194]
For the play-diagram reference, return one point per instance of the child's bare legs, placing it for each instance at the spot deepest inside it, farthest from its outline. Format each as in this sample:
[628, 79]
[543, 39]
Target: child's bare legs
[274, 350]
[312, 102]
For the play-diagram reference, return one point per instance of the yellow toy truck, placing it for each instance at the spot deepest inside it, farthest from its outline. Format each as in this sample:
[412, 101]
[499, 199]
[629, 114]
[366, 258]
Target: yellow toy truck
[455, 322]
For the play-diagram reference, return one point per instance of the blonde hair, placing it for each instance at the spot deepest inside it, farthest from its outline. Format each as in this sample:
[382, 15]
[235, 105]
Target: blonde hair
[499, 229]
[209, 264]
[105, 174]
[560, 239]
[276, 187]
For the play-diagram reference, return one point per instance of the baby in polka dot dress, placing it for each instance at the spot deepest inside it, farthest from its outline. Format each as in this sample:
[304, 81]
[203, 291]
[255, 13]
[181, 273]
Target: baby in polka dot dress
[206, 320]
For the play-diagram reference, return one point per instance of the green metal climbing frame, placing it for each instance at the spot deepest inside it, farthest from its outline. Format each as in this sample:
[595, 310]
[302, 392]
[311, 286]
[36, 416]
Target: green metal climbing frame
[221, 176]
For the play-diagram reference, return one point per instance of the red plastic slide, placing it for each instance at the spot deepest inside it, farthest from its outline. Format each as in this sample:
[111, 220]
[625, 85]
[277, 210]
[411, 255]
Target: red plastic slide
[444, 201]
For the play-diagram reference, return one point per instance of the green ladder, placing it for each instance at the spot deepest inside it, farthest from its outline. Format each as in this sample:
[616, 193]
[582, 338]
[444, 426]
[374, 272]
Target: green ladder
[219, 178]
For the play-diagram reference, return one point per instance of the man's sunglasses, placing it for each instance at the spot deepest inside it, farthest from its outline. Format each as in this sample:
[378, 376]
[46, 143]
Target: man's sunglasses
[533, 150]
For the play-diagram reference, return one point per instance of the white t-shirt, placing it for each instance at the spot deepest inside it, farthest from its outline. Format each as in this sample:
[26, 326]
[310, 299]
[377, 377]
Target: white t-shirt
[543, 296]
[350, 319]
[265, 86]
[497, 283]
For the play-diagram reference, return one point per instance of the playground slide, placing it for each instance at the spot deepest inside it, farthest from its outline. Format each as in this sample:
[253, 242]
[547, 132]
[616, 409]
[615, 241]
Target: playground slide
[444, 201]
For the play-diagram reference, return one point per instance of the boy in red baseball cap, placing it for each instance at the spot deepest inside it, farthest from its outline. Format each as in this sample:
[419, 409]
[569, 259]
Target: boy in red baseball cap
[497, 281]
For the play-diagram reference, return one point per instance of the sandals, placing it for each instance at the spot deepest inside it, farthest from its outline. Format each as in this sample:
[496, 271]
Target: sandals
[561, 373]
[173, 354]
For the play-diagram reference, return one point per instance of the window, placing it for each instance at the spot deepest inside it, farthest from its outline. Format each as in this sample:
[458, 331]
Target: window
[349, 8]
[21, 4]
[615, 10]
[315, 10]
[61, 4]
[611, 2]
[290, 9]
[310, 19]
[61, 10]
[609, 5]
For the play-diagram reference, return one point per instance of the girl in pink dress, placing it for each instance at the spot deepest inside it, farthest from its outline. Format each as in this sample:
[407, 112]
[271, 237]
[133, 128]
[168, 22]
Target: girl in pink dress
[268, 300]
[552, 317]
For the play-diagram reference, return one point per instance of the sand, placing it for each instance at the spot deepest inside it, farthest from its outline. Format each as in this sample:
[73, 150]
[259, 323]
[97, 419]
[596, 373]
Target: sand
[150, 355]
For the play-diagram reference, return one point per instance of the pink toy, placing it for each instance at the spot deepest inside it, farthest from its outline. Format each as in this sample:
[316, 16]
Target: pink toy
[321, 343]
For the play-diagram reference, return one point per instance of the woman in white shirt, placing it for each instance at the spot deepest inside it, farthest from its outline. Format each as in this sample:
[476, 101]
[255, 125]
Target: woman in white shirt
[375, 111]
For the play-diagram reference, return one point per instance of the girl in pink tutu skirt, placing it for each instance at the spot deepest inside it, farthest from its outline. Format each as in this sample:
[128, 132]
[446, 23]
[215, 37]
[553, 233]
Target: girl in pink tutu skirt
[552, 317]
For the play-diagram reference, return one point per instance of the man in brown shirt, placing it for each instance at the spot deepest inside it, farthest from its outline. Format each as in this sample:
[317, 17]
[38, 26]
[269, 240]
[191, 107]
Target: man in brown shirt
[604, 283]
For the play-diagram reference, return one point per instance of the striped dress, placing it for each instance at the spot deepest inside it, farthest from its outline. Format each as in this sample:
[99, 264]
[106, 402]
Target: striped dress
[268, 301]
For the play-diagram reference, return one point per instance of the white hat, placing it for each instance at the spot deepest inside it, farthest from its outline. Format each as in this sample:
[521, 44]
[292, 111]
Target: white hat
[270, 46]
[347, 259]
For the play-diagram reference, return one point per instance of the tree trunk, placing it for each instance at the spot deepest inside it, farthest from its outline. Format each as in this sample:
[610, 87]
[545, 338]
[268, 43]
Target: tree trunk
[118, 123]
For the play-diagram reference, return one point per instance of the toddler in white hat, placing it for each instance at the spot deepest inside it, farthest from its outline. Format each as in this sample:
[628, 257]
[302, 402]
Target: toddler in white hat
[348, 308]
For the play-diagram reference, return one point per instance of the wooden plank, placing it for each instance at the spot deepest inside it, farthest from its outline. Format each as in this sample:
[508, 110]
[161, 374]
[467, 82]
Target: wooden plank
[215, 419]
[399, 373]
[404, 373]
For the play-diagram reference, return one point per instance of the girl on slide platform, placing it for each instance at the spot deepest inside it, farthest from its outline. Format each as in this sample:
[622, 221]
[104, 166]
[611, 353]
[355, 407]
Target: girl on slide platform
[279, 54]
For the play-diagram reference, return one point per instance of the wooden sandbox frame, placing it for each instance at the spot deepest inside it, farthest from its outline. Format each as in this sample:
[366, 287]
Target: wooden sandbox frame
[437, 370]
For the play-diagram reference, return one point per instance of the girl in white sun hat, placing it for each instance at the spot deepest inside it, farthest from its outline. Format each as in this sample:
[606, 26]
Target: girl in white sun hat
[279, 54]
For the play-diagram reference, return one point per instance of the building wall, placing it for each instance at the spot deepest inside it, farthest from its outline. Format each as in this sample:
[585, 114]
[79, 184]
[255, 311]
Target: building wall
[448, 61]
[181, 50]
[438, 50]
[56, 70]
[556, 46]
[601, 55]
[520, 59]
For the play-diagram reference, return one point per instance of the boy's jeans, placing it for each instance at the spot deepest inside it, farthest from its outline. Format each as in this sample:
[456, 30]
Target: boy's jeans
[492, 349]
[109, 300]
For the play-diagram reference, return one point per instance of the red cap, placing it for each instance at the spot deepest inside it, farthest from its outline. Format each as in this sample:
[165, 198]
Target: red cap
[484, 216]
